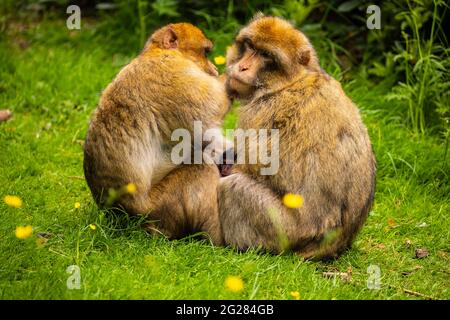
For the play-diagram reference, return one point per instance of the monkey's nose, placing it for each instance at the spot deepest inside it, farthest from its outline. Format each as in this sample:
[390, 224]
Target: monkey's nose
[242, 68]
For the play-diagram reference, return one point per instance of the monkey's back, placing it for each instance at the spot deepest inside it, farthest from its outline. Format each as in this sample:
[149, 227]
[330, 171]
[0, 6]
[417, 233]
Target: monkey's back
[325, 155]
[137, 113]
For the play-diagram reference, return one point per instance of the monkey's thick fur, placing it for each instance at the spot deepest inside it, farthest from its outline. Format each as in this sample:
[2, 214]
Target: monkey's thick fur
[129, 138]
[325, 153]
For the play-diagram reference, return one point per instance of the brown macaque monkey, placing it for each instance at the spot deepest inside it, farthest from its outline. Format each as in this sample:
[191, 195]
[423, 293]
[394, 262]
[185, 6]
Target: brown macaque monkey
[168, 86]
[325, 154]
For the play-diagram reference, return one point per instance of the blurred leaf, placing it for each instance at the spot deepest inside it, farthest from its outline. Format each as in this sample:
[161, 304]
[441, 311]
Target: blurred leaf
[106, 6]
[166, 8]
[348, 6]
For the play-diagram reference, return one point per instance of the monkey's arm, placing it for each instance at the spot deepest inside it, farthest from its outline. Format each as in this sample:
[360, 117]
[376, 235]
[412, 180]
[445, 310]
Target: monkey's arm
[202, 96]
[207, 108]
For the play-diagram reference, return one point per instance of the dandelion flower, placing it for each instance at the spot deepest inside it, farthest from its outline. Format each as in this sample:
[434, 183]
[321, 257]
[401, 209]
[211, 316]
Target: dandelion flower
[13, 201]
[77, 205]
[24, 232]
[295, 295]
[92, 226]
[131, 188]
[219, 60]
[293, 201]
[234, 283]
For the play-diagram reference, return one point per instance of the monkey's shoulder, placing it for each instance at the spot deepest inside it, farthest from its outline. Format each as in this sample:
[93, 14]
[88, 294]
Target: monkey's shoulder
[175, 74]
[148, 84]
[323, 102]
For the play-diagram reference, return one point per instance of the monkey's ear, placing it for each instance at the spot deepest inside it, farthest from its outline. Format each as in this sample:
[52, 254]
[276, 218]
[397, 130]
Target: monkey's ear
[170, 39]
[304, 57]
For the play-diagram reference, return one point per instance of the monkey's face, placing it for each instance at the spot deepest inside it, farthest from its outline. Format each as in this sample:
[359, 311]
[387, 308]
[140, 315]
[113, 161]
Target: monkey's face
[188, 40]
[243, 72]
[193, 44]
[267, 53]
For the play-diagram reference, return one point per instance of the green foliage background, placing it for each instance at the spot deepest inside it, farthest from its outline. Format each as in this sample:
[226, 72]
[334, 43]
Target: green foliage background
[410, 49]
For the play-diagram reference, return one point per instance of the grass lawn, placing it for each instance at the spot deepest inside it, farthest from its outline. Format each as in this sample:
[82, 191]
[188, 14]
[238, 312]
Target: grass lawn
[52, 79]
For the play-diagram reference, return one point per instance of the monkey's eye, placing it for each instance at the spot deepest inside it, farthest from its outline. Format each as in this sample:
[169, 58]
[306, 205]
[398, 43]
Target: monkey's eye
[266, 55]
[268, 58]
[249, 46]
[241, 49]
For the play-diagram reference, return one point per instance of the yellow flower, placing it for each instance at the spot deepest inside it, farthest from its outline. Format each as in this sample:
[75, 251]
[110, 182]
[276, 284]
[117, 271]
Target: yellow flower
[92, 226]
[295, 295]
[77, 205]
[131, 188]
[24, 232]
[234, 283]
[220, 60]
[293, 201]
[13, 201]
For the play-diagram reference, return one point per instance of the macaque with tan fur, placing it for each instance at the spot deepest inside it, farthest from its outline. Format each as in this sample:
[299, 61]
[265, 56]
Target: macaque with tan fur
[168, 86]
[325, 154]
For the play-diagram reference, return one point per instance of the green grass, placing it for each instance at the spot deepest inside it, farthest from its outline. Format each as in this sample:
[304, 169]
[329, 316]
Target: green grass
[53, 87]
